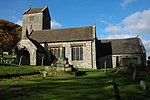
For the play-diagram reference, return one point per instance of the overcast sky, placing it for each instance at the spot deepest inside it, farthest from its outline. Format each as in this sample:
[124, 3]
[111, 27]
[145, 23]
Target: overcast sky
[113, 18]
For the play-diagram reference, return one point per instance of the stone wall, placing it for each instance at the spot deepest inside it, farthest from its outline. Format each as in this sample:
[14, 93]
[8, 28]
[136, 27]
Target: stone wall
[102, 60]
[116, 60]
[32, 22]
[89, 53]
[36, 21]
[30, 47]
[136, 59]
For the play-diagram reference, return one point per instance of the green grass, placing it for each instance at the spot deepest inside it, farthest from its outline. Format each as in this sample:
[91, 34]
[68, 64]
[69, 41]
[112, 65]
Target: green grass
[9, 70]
[95, 85]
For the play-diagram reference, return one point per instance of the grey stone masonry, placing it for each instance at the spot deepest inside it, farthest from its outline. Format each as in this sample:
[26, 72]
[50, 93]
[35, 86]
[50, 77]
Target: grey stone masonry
[36, 21]
[89, 55]
[30, 47]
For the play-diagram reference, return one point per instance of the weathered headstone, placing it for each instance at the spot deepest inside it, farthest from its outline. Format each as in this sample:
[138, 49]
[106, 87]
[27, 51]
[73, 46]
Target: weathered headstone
[105, 65]
[143, 84]
[44, 73]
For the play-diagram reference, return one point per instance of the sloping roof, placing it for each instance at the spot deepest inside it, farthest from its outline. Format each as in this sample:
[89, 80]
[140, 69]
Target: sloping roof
[34, 10]
[40, 48]
[123, 46]
[66, 34]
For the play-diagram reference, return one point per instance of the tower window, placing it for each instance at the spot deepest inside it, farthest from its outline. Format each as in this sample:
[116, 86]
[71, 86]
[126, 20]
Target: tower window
[31, 18]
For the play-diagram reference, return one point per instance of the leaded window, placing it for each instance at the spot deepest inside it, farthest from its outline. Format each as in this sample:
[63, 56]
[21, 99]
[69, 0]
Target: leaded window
[55, 51]
[77, 53]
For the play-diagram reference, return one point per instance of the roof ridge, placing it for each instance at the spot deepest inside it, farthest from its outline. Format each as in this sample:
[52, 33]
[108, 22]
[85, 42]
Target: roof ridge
[42, 9]
[65, 28]
[39, 7]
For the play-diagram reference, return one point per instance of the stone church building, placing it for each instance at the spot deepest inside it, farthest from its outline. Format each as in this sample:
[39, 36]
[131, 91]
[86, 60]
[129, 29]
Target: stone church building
[41, 45]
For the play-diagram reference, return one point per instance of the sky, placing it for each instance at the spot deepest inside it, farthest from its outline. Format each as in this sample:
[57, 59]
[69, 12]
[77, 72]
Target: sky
[113, 18]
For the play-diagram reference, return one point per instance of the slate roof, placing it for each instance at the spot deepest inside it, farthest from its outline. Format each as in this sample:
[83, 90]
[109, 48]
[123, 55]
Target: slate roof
[64, 35]
[34, 10]
[122, 46]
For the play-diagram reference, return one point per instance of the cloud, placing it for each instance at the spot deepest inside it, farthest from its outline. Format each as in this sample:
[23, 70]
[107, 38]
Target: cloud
[125, 3]
[19, 22]
[105, 22]
[55, 24]
[118, 36]
[135, 24]
[138, 22]
[113, 29]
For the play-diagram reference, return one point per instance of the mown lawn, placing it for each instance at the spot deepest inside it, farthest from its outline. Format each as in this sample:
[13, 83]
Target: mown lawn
[8, 70]
[95, 85]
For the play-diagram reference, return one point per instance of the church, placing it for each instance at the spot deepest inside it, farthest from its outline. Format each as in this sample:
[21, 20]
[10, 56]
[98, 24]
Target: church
[41, 45]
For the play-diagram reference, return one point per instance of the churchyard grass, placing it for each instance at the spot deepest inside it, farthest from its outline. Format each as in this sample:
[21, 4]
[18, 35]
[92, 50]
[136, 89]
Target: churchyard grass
[96, 84]
[8, 70]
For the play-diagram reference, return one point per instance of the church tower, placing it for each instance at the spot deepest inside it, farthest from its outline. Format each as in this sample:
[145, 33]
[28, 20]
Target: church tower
[35, 19]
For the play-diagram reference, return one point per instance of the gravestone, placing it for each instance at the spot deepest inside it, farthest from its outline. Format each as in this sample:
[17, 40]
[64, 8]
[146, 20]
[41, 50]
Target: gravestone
[143, 84]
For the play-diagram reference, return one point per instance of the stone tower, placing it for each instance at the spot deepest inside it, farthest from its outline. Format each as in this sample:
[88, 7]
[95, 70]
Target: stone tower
[35, 19]
[30, 52]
